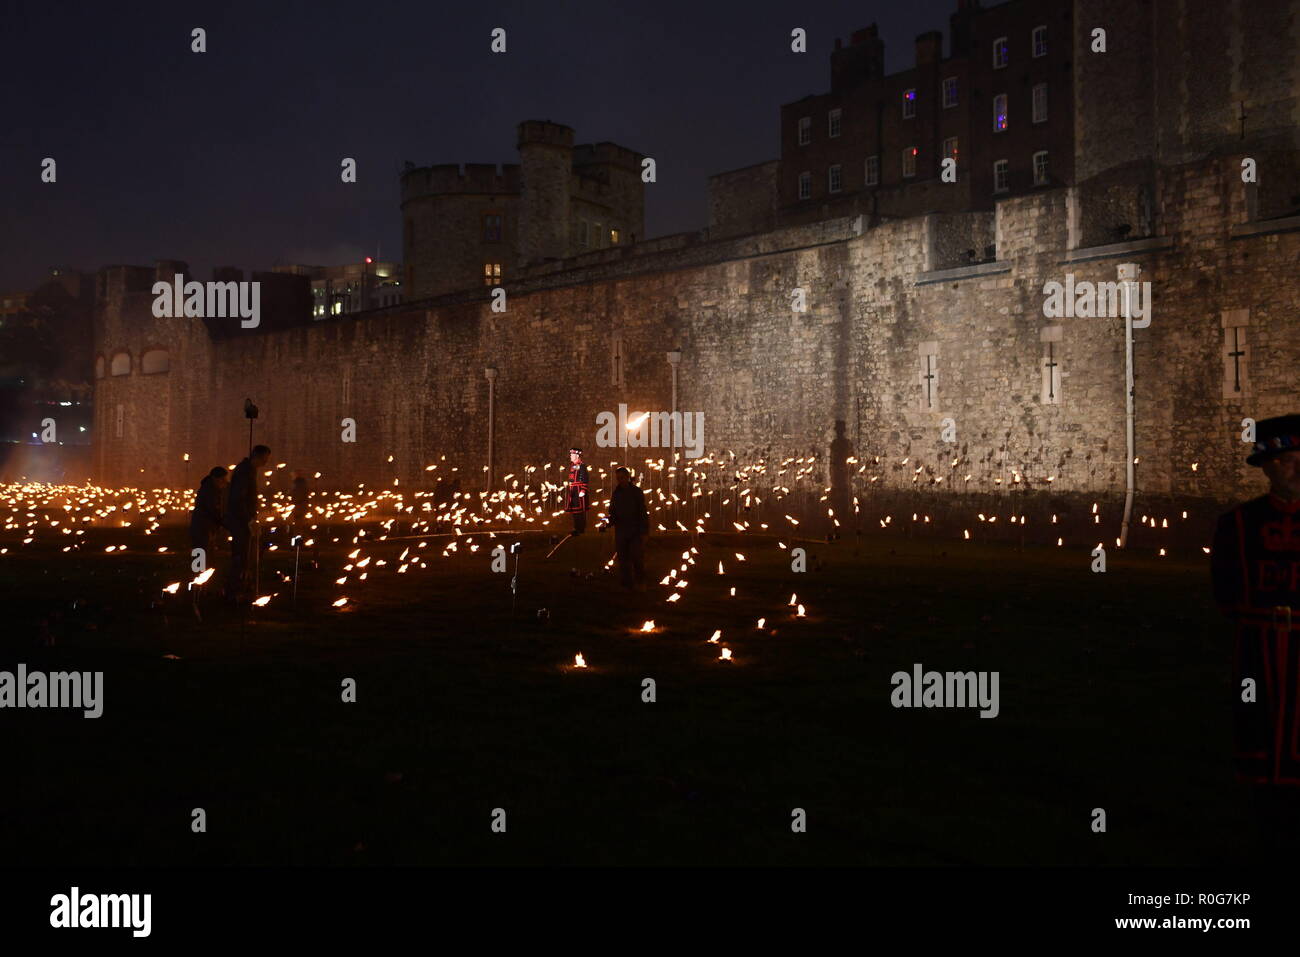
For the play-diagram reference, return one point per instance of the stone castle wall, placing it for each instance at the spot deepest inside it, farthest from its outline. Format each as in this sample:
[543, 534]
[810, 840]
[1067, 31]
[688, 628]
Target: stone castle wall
[770, 382]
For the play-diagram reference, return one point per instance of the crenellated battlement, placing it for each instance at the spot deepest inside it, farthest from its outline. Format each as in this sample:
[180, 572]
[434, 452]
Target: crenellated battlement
[544, 133]
[608, 154]
[460, 179]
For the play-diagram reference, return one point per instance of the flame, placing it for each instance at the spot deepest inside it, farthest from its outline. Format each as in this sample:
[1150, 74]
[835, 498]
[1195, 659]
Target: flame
[579, 661]
[203, 578]
[264, 600]
[340, 603]
[800, 612]
[726, 655]
[760, 622]
[649, 625]
[173, 588]
[716, 635]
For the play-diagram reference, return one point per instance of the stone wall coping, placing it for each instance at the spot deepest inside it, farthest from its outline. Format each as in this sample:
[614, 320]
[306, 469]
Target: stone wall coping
[1286, 224]
[963, 272]
[1133, 247]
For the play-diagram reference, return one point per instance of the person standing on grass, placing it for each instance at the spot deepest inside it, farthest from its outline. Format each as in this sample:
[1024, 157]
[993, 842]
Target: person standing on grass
[631, 521]
[1255, 567]
[577, 498]
[241, 519]
[208, 513]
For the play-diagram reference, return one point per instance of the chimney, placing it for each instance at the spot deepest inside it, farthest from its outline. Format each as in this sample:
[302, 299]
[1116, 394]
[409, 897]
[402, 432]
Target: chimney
[929, 48]
[862, 59]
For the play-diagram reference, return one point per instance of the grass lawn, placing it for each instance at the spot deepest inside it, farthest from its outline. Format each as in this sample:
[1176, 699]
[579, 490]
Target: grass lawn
[1113, 694]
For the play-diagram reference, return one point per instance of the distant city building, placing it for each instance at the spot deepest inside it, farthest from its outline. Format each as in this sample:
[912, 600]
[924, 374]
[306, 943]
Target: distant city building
[351, 287]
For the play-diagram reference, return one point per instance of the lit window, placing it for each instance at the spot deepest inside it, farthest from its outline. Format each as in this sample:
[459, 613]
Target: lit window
[833, 182]
[1001, 55]
[492, 274]
[909, 104]
[872, 172]
[613, 237]
[491, 228]
[805, 185]
[833, 122]
[1040, 168]
[950, 93]
[909, 162]
[805, 130]
[999, 112]
[1040, 41]
[121, 364]
[1040, 103]
[1001, 171]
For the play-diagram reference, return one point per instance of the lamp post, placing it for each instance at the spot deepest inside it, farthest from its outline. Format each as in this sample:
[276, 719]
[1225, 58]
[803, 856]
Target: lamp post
[674, 424]
[1128, 273]
[491, 373]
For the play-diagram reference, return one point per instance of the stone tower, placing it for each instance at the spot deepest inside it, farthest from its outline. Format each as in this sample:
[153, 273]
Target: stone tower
[546, 168]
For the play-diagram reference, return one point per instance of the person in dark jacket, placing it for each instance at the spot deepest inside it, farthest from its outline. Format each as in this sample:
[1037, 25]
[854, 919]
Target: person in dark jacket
[1255, 566]
[241, 519]
[208, 513]
[631, 521]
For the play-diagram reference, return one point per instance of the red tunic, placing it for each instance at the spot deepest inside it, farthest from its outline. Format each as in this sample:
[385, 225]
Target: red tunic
[576, 497]
[1255, 561]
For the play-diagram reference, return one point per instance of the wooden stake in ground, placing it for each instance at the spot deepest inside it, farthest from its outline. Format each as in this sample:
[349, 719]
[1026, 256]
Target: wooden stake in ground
[557, 547]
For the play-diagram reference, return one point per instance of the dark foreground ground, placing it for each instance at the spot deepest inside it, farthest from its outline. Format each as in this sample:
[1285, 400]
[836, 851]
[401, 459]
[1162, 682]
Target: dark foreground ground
[1113, 695]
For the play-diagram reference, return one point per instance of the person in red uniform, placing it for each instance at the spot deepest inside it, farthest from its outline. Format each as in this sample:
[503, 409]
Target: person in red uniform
[577, 502]
[576, 498]
[1255, 565]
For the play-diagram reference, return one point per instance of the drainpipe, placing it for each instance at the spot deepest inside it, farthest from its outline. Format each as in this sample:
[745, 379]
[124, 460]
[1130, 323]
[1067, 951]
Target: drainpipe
[1128, 273]
[491, 374]
[674, 359]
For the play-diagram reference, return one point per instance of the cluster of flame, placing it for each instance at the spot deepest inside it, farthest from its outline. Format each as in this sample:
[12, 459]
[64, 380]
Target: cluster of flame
[701, 496]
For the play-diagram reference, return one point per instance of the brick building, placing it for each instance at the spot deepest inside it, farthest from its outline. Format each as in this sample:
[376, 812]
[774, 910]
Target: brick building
[1000, 104]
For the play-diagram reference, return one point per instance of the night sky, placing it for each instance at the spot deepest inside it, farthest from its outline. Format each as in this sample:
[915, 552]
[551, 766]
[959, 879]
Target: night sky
[232, 157]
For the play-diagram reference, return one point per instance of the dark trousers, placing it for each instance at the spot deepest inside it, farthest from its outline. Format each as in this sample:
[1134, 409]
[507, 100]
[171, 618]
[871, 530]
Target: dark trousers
[238, 582]
[1277, 818]
[579, 522]
[631, 557]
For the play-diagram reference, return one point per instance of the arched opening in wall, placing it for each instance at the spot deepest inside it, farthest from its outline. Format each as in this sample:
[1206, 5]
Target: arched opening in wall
[154, 361]
[99, 367]
[121, 364]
